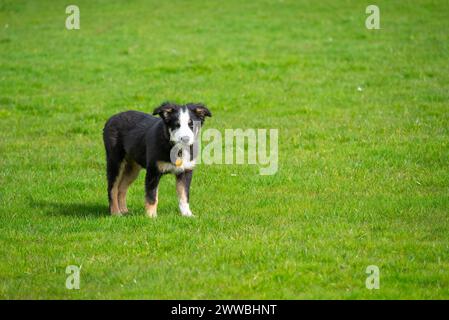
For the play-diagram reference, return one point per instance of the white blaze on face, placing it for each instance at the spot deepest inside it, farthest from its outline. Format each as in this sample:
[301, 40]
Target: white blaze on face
[183, 134]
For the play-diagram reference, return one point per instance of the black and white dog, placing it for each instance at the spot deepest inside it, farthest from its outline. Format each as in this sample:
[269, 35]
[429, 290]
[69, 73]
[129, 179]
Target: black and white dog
[136, 140]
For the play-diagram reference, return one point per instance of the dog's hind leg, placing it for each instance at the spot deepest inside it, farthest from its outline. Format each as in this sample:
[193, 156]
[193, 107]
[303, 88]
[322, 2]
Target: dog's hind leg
[130, 173]
[114, 173]
[151, 195]
[115, 161]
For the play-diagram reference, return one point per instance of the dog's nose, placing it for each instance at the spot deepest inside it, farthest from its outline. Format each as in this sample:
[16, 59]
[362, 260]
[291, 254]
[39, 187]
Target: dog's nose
[185, 139]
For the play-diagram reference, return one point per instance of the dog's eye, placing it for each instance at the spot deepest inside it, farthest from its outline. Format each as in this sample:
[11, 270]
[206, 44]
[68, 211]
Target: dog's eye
[190, 123]
[177, 125]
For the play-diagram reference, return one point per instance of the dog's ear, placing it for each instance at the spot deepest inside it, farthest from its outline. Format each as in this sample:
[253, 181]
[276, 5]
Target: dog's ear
[200, 110]
[164, 110]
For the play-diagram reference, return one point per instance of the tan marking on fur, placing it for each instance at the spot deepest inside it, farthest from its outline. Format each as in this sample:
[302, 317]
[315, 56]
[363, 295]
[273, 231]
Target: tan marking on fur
[170, 167]
[165, 166]
[114, 206]
[181, 190]
[130, 174]
[151, 208]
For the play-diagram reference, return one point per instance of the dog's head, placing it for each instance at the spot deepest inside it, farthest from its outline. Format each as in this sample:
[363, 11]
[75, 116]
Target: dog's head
[183, 121]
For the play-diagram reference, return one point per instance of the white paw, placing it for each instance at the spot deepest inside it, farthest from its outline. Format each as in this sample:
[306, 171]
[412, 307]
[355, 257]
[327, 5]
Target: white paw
[185, 210]
[151, 213]
[189, 214]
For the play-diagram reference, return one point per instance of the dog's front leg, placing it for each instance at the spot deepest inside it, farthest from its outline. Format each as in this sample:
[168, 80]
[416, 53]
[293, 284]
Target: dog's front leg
[183, 189]
[151, 184]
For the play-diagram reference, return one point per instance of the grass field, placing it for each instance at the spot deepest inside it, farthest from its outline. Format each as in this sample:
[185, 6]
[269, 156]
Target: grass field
[363, 119]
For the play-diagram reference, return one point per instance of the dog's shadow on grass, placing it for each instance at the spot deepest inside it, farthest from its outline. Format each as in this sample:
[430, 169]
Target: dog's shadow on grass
[72, 209]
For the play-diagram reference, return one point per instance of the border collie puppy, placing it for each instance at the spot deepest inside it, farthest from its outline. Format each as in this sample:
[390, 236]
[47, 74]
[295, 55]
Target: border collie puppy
[136, 140]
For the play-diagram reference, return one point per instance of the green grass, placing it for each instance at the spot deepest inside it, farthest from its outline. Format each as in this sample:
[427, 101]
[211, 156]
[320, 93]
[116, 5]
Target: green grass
[363, 175]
